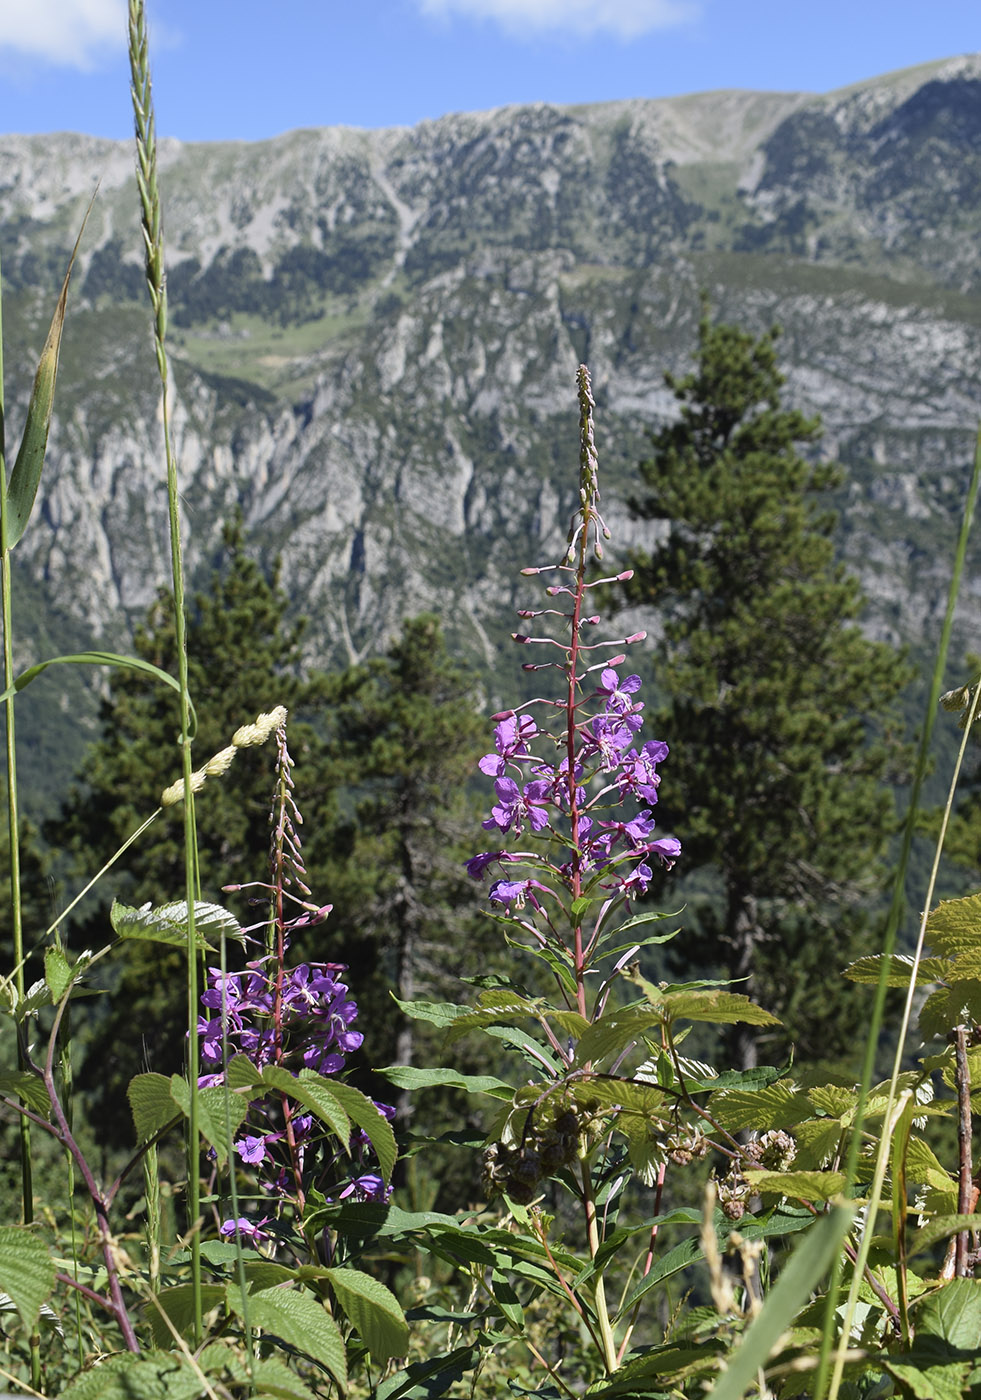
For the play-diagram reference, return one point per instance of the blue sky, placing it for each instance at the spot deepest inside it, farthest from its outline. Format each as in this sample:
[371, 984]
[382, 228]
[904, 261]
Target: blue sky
[249, 69]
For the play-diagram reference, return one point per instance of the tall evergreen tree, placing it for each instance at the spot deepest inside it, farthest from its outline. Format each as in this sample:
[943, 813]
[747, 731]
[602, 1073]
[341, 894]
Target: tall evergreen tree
[778, 710]
[406, 735]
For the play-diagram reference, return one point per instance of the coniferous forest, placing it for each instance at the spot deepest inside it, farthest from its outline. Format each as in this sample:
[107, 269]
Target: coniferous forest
[409, 1027]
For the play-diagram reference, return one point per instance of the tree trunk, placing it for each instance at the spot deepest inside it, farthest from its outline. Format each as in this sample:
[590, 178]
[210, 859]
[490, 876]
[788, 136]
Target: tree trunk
[743, 933]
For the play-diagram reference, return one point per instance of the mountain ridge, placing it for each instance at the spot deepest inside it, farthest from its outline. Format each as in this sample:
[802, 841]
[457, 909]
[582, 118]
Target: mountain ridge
[375, 336]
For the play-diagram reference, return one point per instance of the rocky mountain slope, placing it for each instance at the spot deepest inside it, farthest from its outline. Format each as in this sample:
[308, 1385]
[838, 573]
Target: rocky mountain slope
[375, 336]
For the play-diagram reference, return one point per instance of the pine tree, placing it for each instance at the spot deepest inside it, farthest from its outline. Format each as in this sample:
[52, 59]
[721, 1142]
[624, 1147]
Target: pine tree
[406, 735]
[778, 709]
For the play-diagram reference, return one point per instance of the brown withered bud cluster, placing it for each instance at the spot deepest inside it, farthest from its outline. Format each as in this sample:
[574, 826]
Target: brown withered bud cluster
[519, 1171]
[688, 1145]
[775, 1151]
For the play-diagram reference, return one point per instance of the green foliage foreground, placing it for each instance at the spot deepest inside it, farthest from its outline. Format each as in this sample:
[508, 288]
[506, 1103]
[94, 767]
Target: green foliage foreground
[647, 1222]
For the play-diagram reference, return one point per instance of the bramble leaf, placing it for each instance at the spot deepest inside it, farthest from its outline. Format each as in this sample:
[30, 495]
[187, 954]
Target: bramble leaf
[374, 1310]
[27, 1271]
[298, 1319]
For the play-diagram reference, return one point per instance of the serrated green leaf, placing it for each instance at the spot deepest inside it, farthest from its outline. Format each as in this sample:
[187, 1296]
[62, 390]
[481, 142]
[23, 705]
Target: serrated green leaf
[952, 1313]
[715, 1008]
[241, 1073]
[779, 1105]
[612, 1032]
[27, 1271]
[374, 1311]
[19, 494]
[364, 1115]
[314, 1092]
[803, 1186]
[151, 1104]
[135, 1376]
[216, 1108]
[298, 1319]
[167, 923]
[21, 1084]
[57, 973]
[952, 927]
[949, 1007]
[868, 970]
[941, 1229]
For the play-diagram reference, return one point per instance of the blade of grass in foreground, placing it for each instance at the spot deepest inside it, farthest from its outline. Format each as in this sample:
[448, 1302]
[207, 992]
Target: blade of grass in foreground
[146, 178]
[889, 944]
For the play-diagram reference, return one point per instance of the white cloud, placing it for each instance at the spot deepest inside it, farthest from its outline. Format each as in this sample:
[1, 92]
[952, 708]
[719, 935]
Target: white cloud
[626, 19]
[69, 33]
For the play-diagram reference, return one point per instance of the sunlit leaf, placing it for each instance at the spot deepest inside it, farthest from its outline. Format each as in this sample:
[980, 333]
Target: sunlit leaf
[298, 1319]
[27, 1271]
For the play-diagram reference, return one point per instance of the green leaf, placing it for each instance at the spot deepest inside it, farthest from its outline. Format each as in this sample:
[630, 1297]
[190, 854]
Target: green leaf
[151, 1103]
[314, 1092]
[715, 1008]
[941, 1229]
[804, 1186]
[22, 489]
[507, 1300]
[953, 1313]
[670, 1263]
[167, 923]
[299, 1320]
[217, 1107]
[57, 973]
[416, 1077]
[134, 1376]
[798, 1278]
[431, 1378]
[90, 658]
[178, 1304]
[27, 1271]
[952, 927]
[779, 1105]
[364, 1115]
[438, 1013]
[241, 1073]
[374, 1311]
[868, 970]
[949, 1007]
[20, 1084]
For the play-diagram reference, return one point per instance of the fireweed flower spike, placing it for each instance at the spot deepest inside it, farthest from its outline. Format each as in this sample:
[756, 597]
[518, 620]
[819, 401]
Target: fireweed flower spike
[298, 1020]
[588, 850]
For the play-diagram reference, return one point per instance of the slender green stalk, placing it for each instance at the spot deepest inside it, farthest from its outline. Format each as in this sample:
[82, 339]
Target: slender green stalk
[13, 829]
[146, 176]
[889, 943]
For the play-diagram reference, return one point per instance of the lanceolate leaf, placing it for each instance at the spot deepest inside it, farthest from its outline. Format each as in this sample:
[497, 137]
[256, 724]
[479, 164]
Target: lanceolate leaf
[374, 1310]
[90, 658]
[26, 475]
[27, 1271]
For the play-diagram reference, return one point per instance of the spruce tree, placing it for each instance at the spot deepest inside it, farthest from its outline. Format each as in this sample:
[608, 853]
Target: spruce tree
[778, 710]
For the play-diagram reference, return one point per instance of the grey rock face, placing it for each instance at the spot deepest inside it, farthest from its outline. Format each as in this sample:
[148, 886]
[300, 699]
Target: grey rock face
[375, 337]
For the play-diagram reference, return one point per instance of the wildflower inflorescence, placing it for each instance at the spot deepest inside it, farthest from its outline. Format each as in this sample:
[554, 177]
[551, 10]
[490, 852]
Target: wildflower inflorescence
[569, 785]
[299, 1019]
